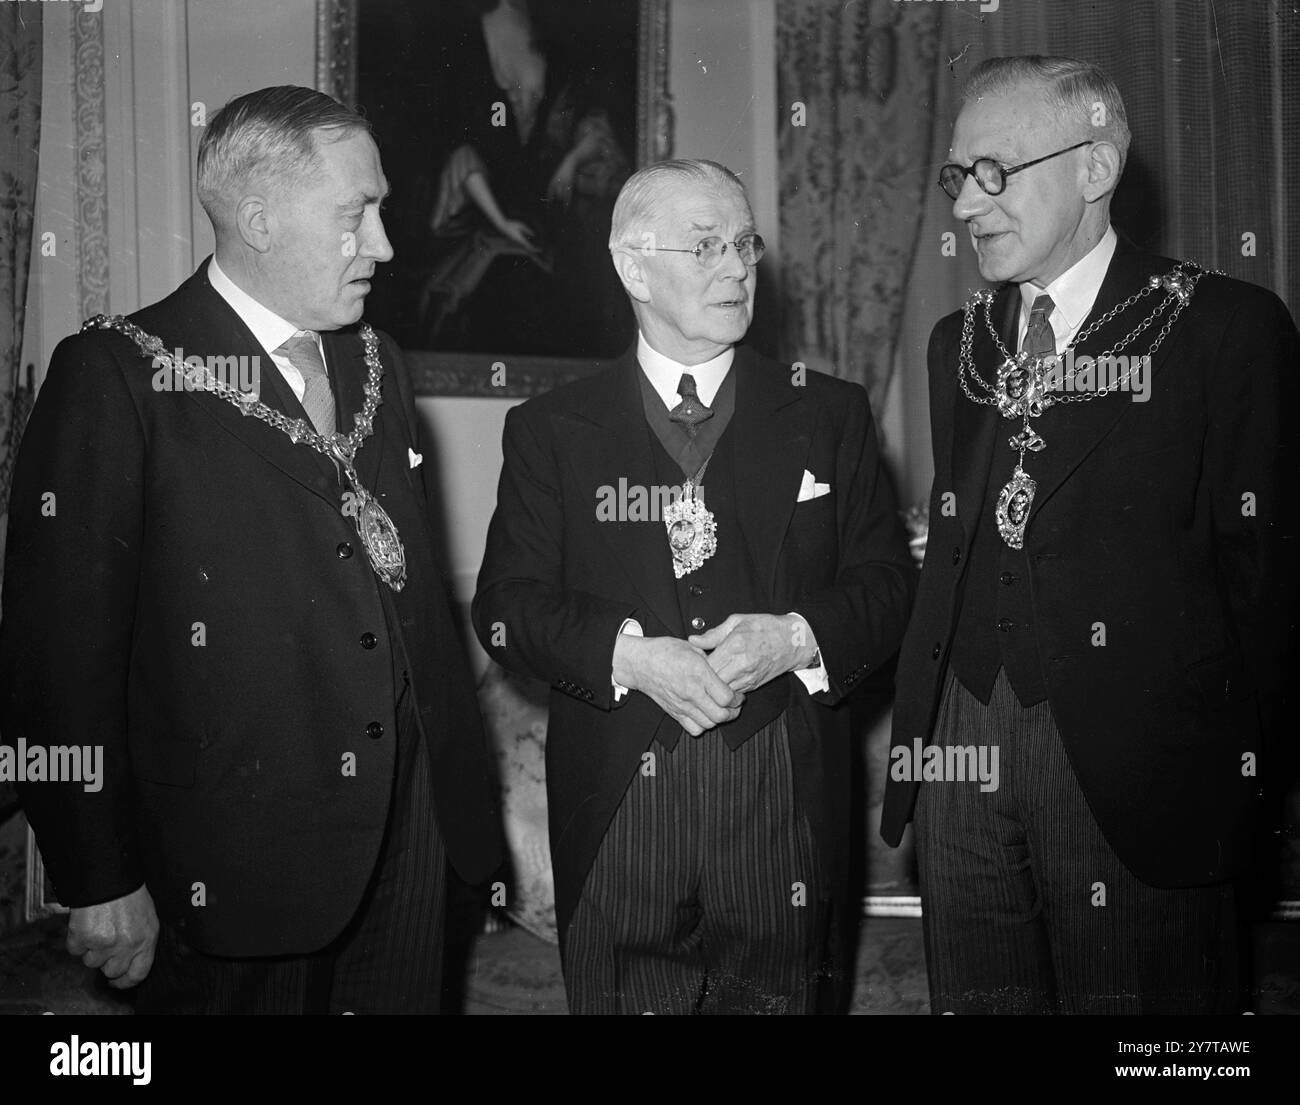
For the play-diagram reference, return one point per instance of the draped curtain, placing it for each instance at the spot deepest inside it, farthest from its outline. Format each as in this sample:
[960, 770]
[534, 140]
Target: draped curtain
[20, 124]
[854, 127]
[20, 129]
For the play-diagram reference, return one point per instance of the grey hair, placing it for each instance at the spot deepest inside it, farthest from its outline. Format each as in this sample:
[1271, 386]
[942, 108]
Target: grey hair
[267, 138]
[640, 198]
[1074, 91]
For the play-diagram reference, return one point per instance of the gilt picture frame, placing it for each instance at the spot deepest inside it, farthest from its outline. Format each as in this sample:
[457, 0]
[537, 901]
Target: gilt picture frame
[476, 311]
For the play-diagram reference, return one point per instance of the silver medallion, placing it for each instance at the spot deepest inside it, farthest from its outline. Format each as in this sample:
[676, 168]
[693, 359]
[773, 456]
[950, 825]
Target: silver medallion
[692, 531]
[1012, 512]
[380, 540]
[1022, 386]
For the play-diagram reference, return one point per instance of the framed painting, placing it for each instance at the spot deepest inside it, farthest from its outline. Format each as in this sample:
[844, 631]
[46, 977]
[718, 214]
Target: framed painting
[507, 128]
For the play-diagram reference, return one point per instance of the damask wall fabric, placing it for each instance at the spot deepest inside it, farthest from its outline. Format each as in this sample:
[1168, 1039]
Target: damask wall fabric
[854, 123]
[20, 128]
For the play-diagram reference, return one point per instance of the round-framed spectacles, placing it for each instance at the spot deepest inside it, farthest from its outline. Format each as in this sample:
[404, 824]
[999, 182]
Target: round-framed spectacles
[988, 174]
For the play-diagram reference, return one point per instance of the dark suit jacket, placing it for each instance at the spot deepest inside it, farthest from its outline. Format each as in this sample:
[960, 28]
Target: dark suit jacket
[224, 742]
[1145, 533]
[561, 583]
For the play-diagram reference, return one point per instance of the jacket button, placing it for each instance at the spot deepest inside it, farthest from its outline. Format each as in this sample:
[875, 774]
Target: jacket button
[934, 652]
[697, 624]
[369, 640]
[344, 550]
[956, 555]
[1005, 625]
[696, 590]
[1006, 579]
[374, 730]
[588, 695]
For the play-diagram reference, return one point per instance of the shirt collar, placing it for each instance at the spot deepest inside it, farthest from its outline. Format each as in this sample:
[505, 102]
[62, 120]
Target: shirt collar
[270, 330]
[665, 374]
[1075, 290]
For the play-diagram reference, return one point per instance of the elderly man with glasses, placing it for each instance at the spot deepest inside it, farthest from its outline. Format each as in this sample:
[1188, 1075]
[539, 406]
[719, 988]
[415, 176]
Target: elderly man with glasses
[698, 550]
[1105, 604]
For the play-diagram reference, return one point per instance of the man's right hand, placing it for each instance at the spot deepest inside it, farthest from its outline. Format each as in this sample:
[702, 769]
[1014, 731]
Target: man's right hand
[118, 937]
[677, 676]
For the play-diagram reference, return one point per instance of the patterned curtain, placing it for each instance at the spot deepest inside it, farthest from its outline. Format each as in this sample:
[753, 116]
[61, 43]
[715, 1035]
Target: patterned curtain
[854, 94]
[20, 127]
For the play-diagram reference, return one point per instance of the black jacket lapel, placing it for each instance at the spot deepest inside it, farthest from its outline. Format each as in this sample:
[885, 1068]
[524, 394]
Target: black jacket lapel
[977, 427]
[1093, 419]
[772, 433]
[345, 354]
[197, 319]
[611, 441]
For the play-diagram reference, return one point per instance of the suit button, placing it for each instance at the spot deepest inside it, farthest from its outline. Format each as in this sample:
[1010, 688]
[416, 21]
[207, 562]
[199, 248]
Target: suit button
[696, 590]
[1006, 579]
[344, 550]
[369, 640]
[374, 730]
[934, 652]
[697, 624]
[588, 695]
[1005, 625]
[956, 556]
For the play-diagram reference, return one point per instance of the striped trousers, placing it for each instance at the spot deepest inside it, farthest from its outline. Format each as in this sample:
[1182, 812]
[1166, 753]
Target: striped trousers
[1026, 907]
[705, 895]
[387, 960]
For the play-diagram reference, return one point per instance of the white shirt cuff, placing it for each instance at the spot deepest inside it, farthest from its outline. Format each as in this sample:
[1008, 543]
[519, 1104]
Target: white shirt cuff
[632, 628]
[814, 679]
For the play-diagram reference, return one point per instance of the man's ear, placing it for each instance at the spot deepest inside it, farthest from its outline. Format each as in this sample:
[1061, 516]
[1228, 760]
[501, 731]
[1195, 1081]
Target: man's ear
[1103, 171]
[629, 263]
[254, 221]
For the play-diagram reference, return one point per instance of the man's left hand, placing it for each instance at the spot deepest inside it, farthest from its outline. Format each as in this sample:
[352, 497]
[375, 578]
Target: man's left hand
[748, 650]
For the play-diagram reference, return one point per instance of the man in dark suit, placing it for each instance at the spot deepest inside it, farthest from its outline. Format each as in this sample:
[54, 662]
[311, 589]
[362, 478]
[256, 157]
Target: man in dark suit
[697, 644]
[203, 578]
[1104, 607]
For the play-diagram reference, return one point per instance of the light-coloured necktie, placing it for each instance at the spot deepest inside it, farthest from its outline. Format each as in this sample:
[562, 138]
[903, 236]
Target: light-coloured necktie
[1040, 341]
[317, 399]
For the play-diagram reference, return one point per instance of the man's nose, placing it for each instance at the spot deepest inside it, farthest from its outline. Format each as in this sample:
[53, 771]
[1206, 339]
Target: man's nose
[732, 266]
[375, 242]
[971, 201]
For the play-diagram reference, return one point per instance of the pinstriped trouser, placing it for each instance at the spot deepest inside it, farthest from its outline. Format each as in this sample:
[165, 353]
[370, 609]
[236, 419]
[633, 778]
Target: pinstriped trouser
[705, 896]
[1026, 907]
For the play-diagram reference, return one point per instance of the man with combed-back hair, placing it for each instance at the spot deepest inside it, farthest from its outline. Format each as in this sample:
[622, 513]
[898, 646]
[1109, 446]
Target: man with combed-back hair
[227, 580]
[1105, 606]
[699, 653]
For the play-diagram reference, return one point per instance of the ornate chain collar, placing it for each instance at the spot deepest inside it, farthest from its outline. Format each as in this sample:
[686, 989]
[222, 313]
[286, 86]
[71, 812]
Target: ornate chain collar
[378, 534]
[1027, 386]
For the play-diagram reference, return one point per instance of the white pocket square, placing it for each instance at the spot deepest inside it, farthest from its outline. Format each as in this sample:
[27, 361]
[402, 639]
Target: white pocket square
[811, 489]
[415, 458]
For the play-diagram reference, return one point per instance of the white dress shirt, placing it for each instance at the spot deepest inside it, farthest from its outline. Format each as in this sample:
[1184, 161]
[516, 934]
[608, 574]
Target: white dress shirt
[270, 330]
[665, 374]
[1073, 292]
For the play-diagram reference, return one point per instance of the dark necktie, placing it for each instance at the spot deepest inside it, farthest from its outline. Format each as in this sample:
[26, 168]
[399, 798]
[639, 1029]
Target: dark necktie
[1039, 340]
[690, 412]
